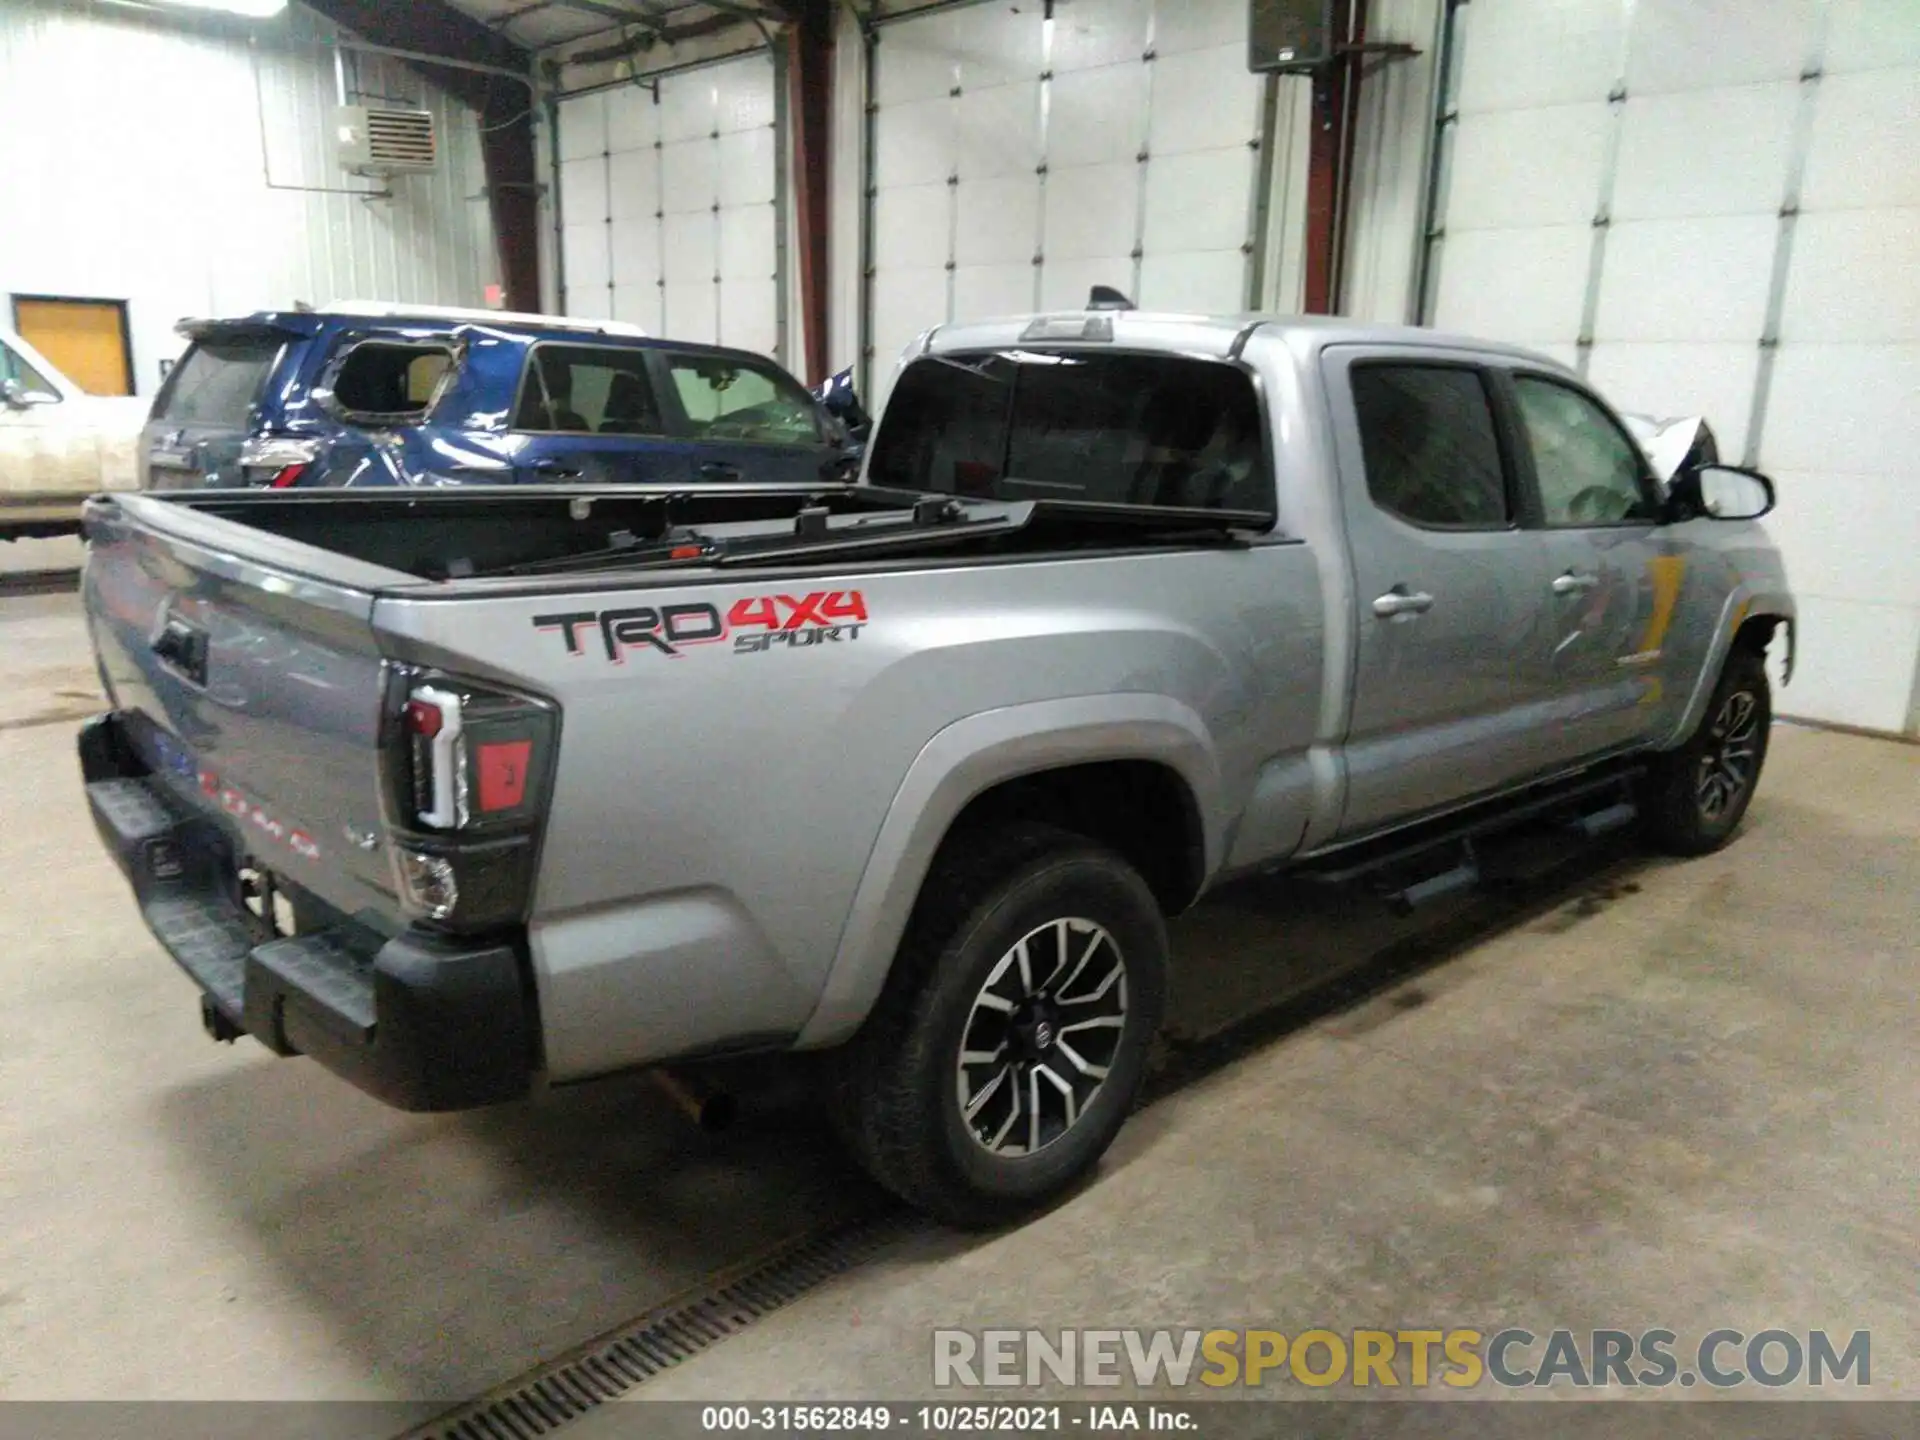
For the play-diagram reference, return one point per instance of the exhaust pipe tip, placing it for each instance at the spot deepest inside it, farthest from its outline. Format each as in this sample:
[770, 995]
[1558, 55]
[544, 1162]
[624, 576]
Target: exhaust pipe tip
[709, 1109]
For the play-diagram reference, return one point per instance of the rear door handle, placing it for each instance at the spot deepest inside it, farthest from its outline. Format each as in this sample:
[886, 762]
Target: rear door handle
[714, 470]
[1398, 601]
[1573, 583]
[559, 469]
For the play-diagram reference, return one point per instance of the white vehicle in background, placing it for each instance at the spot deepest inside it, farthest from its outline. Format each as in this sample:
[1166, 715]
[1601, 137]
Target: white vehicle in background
[58, 444]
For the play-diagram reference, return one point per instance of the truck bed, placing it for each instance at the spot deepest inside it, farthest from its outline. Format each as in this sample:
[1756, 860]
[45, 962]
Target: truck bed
[487, 532]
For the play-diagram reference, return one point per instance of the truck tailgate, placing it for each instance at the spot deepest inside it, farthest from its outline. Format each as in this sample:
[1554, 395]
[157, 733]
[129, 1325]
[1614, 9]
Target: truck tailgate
[252, 691]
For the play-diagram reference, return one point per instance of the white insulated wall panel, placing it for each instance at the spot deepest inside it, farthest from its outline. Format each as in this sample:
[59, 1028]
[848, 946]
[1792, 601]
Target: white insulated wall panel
[668, 205]
[1020, 160]
[1688, 125]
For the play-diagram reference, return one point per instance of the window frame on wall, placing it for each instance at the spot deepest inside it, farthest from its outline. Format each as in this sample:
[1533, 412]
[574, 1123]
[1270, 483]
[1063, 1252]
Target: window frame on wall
[119, 306]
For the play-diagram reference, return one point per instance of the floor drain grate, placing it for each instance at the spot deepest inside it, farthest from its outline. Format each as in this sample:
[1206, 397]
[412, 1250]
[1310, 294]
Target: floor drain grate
[607, 1367]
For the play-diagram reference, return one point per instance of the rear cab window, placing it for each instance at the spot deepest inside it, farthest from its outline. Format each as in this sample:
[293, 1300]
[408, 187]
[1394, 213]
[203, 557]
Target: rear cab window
[588, 390]
[218, 382]
[1126, 429]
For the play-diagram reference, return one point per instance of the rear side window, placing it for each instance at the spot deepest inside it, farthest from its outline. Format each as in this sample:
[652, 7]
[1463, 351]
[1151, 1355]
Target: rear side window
[1154, 430]
[585, 389]
[729, 399]
[218, 382]
[1432, 453]
[380, 377]
[14, 367]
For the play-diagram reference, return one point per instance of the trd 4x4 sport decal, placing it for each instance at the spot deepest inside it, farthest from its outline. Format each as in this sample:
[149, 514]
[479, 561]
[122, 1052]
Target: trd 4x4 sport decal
[755, 625]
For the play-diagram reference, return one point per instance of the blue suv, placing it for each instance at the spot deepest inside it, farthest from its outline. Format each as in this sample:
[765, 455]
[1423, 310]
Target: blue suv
[361, 393]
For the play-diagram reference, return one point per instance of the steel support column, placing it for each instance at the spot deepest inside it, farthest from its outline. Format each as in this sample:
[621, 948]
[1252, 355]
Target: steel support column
[810, 80]
[1336, 98]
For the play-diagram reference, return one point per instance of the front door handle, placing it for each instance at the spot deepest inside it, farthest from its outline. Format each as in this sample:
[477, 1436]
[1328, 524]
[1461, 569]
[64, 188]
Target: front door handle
[714, 470]
[1574, 583]
[558, 469]
[1398, 602]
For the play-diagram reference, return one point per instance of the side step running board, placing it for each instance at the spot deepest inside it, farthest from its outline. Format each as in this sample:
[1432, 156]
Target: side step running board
[1446, 861]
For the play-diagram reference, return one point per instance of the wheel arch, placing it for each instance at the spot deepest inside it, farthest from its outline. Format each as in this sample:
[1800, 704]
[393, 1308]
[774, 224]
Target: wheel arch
[1749, 619]
[1084, 763]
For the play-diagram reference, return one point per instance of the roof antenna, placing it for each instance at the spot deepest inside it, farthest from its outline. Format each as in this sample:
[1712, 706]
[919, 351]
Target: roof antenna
[1105, 297]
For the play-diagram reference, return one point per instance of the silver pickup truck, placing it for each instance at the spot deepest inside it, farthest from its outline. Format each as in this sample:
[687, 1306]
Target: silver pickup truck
[464, 791]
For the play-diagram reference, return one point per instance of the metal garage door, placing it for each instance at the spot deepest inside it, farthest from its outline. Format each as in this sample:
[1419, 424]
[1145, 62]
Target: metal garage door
[1020, 158]
[1715, 208]
[669, 205]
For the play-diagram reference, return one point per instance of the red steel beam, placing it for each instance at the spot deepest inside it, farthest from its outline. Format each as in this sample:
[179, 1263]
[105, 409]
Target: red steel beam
[1336, 102]
[810, 81]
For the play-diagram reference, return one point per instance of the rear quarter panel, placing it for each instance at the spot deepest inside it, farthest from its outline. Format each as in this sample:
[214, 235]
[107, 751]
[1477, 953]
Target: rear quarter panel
[715, 812]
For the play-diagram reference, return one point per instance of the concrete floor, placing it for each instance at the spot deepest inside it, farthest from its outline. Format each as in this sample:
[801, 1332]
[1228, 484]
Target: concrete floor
[1644, 1093]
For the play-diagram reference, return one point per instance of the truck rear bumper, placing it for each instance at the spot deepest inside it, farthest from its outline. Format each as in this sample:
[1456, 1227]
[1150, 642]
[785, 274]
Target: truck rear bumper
[418, 1021]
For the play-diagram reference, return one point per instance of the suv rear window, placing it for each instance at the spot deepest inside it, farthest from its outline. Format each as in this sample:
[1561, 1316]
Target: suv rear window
[1154, 430]
[218, 381]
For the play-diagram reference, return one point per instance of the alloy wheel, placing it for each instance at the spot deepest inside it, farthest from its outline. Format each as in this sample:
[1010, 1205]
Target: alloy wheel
[1726, 769]
[1042, 1034]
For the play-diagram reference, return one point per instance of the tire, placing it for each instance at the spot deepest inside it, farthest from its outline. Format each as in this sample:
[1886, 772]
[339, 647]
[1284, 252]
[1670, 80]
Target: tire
[900, 1085]
[1696, 795]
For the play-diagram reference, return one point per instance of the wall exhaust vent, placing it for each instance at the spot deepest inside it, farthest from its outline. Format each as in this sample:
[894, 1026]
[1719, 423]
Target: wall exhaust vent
[375, 141]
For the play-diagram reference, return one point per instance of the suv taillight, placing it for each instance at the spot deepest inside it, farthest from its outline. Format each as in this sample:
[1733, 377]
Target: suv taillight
[469, 770]
[276, 462]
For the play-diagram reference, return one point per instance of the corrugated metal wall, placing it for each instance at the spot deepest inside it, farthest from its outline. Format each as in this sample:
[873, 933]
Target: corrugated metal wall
[147, 158]
[671, 208]
[1022, 154]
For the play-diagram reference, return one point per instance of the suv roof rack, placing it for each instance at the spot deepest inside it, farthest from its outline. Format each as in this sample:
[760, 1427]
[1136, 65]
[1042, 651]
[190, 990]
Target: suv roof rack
[394, 310]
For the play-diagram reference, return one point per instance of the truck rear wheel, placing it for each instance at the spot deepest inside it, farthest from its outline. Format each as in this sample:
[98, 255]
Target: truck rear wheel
[1695, 795]
[1010, 1041]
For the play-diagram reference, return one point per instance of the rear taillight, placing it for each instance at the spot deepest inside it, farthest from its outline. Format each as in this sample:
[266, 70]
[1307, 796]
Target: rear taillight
[470, 768]
[277, 462]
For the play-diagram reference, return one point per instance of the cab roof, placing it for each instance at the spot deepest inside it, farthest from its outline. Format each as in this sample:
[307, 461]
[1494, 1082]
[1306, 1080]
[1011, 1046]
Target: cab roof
[1212, 336]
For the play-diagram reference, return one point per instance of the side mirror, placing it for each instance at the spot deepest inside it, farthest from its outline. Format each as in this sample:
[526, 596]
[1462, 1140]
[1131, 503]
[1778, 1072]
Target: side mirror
[842, 406]
[1720, 492]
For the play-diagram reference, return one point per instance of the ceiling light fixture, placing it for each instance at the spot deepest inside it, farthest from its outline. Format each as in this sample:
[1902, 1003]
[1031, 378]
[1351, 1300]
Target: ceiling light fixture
[252, 9]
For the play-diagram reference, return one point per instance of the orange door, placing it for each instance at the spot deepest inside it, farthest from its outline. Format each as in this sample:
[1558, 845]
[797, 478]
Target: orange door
[85, 339]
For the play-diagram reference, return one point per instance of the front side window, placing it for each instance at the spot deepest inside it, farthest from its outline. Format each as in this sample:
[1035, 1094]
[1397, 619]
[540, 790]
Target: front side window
[218, 382]
[1154, 430]
[14, 367]
[1589, 471]
[729, 399]
[585, 389]
[1431, 450]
